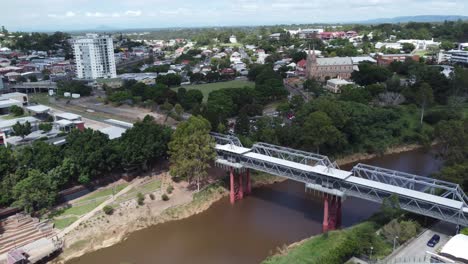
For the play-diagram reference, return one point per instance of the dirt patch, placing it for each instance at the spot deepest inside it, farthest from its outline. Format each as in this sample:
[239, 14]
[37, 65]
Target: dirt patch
[103, 231]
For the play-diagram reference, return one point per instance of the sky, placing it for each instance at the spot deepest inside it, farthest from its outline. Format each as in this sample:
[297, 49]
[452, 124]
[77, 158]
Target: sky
[50, 15]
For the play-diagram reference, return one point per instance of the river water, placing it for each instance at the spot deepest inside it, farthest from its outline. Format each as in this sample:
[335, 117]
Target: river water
[250, 230]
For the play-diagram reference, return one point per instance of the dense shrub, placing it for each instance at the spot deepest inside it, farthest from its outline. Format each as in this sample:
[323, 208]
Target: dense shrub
[140, 199]
[108, 210]
[164, 197]
[169, 189]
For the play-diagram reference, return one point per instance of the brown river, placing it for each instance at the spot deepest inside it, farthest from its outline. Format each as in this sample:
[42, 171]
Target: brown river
[253, 228]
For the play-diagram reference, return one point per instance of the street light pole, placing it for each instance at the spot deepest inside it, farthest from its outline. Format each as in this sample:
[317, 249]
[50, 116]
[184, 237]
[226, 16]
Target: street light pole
[394, 242]
[371, 248]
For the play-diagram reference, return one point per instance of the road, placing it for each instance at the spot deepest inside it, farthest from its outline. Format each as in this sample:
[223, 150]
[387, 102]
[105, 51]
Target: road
[416, 250]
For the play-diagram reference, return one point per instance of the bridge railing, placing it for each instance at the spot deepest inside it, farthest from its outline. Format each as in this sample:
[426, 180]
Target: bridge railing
[226, 139]
[294, 155]
[413, 182]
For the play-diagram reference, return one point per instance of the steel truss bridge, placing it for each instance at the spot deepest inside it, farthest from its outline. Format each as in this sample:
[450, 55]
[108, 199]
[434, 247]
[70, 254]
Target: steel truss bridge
[421, 195]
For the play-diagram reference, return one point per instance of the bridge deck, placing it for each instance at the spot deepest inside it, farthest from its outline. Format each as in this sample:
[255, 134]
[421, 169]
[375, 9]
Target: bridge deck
[320, 169]
[406, 192]
[232, 148]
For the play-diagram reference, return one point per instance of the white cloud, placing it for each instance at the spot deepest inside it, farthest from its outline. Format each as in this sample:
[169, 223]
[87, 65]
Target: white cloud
[70, 14]
[133, 13]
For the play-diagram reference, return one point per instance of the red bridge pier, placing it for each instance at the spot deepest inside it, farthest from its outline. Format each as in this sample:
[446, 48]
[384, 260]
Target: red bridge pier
[240, 184]
[331, 212]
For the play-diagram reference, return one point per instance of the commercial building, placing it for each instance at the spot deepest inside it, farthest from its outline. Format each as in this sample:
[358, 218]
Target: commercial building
[94, 56]
[387, 59]
[459, 56]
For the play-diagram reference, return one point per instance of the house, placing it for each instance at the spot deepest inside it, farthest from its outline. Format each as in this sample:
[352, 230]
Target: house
[334, 85]
[6, 126]
[68, 121]
[388, 45]
[4, 62]
[39, 111]
[309, 33]
[21, 97]
[275, 36]
[236, 57]
[233, 39]
[228, 71]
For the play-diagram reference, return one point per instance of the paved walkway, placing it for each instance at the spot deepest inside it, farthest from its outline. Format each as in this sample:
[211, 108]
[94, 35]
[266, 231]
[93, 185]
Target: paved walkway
[416, 250]
[87, 216]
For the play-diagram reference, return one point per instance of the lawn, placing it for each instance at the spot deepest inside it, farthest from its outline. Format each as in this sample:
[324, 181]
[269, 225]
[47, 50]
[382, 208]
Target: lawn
[82, 209]
[105, 192]
[64, 222]
[152, 186]
[325, 246]
[207, 88]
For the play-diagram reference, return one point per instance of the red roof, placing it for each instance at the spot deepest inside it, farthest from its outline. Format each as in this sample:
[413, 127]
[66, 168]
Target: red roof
[302, 63]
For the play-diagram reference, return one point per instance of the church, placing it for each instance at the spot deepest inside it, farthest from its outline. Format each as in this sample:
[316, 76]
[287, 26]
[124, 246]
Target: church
[322, 69]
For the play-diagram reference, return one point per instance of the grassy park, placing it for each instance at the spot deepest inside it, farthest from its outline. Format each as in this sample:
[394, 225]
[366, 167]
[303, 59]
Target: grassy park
[207, 88]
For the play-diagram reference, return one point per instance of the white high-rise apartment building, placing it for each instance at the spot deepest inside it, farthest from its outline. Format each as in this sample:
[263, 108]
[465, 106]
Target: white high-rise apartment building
[94, 56]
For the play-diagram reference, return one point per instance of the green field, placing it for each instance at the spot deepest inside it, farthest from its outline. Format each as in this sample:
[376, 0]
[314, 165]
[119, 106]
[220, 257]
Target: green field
[105, 192]
[207, 88]
[64, 222]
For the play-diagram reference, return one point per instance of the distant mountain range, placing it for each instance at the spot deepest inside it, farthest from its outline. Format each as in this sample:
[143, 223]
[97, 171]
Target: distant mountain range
[406, 19]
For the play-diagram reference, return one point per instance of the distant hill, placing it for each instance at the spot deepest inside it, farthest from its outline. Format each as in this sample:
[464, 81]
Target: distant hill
[406, 19]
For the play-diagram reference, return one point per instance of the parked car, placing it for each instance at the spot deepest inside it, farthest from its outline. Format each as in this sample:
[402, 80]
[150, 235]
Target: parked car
[433, 241]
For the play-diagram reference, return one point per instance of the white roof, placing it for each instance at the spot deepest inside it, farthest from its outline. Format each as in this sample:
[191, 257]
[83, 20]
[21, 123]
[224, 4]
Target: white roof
[38, 108]
[113, 132]
[232, 148]
[9, 102]
[68, 116]
[315, 169]
[22, 120]
[457, 247]
[119, 123]
[406, 192]
[339, 81]
[64, 122]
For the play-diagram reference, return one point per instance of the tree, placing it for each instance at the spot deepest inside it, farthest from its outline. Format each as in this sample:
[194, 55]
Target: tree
[34, 192]
[192, 149]
[408, 47]
[32, 78]
[144, 142]
[356, 94]
[22, 130]
[92, 152]
[424, 97]
[46, 127]
[314, 87]
[370, 73]
[16, 110]
[108, 210]
[242, 124]
[319, 130]
[191, 98]
[179, 110]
